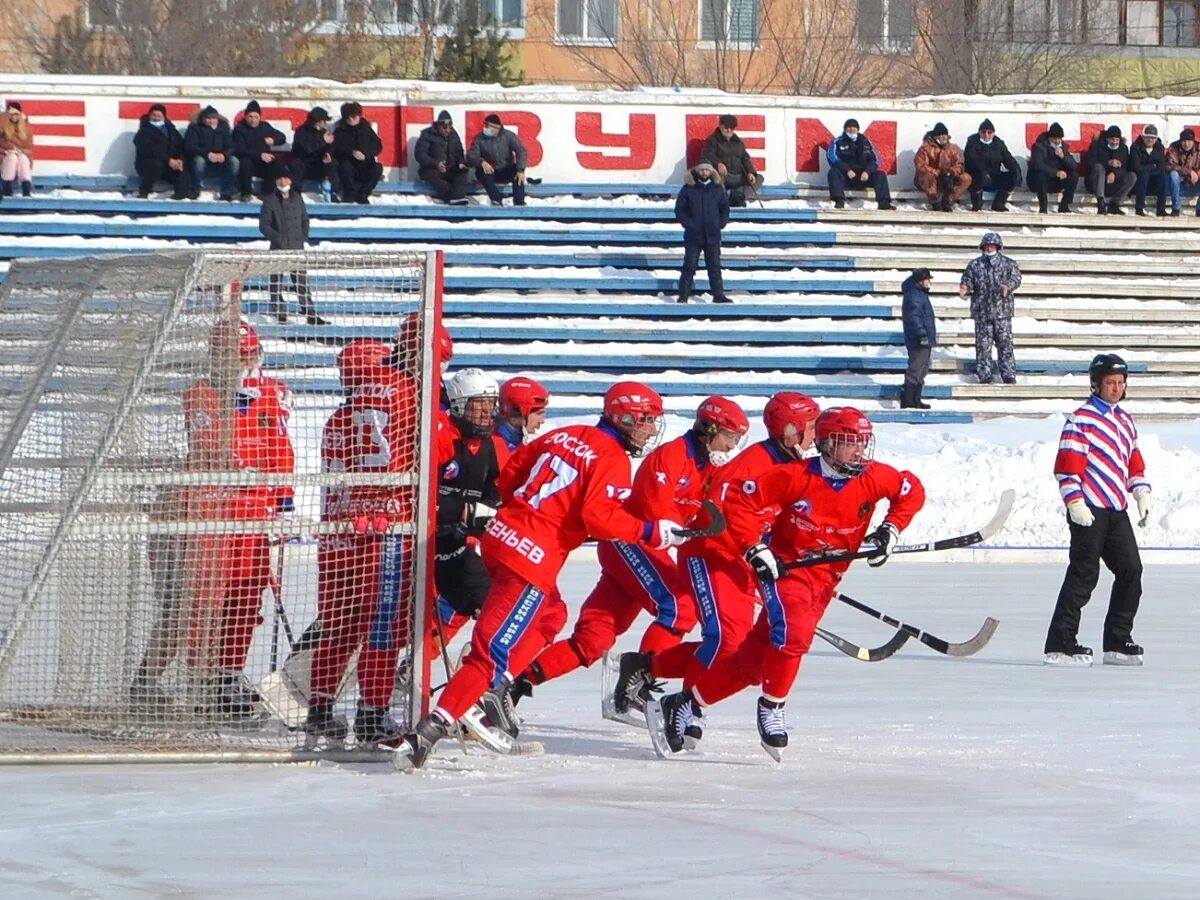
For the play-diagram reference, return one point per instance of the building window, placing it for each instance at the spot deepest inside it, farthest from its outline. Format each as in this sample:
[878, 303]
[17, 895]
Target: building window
[886, 26]
[1179, 25]
[588, 20]
[729, 22]
[506, 13]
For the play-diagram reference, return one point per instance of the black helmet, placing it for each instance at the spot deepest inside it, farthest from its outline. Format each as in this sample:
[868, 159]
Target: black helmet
[1104, 364]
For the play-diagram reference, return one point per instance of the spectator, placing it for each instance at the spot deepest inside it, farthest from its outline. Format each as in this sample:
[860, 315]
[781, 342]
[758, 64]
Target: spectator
[920, 336]
[1183, 168]
[312, 156]
[991, 167]
[208, 144]
[499, 157]
[1148, 163]
[1052, 169]
[283, 220]
[727, 152]
[16, 150]
[355, 147]
[940, 170]
[990, 280]
[702, 208]
[1107, 171]
[255, 144]
[442, 162]
[158, 154]
[853, 163]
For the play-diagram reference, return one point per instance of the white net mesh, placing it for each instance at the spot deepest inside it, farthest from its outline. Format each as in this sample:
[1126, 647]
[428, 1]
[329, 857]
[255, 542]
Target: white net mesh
[198, 517]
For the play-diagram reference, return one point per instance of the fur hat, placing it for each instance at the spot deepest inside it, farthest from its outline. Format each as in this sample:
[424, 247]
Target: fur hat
[728, 121]
[492, 119]
[986, 125]
[353, 108]
[1112, 131]
[1055, 130]
[253, 106]
[209, 111]
[940, 129]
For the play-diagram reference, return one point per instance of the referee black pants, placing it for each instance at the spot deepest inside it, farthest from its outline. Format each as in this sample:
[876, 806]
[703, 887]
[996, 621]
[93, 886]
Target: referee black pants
[1109, 540]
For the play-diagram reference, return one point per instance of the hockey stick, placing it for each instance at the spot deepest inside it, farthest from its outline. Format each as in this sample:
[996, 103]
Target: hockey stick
[716, 523]
[865, 654]
[441, 640]
[950, 543]
[280, 613]
[965, 648]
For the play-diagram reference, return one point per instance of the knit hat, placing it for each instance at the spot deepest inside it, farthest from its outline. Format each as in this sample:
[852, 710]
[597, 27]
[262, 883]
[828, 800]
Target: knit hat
[1151, 129]
[492, 119]
[921, 274]
[317, 114]
[1187, 135]
[1055, 130]
[351, 109]
[253, 106]
[444, 116]
[278, 169]
[850, 123]
[157, 107]
[13, 104]
[1112, 131]
[986, 125]
[728, 121]
[209, 111]
[939, 129]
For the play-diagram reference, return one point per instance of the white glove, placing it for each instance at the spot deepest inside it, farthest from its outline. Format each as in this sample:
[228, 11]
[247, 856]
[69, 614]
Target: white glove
[664, 536]
[883, 538]
[478, 515]
[1145, 503]
[764, 563]
[1080, 514]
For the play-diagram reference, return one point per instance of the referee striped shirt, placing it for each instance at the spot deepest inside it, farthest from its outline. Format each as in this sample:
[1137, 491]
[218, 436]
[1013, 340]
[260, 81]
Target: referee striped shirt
[1098, 458]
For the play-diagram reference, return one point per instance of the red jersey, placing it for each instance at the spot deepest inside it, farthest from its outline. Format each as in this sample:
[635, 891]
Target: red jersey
[671, 481]
[558, 490]
[336, 442]
[378, 433]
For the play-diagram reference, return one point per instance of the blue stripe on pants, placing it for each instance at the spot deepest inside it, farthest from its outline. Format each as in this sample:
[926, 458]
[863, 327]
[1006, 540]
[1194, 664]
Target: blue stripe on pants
[512, 629]
[710, 627]
[775, 614]
[387, 602]
[647, 575]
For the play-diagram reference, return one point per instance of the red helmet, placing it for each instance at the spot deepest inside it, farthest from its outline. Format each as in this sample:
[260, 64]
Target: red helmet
[718, 413]
[408, 339]
[844, 426]
[632, 408]
[789, 412]
[248, 345]
[521, 396]
[360, 361]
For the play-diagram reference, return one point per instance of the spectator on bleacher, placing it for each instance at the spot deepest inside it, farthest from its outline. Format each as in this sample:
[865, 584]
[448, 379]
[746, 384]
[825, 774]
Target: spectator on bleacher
[1052, 169]
[208, 143]
[1148, 163]
[1183, 168]
[256, 144]
[920, 336]
[702, 208]
[854, 164]
[159, 155]
[442, 161]
[499, 157]
[940, 174]
[991, 167]
[1107, 171]
[725, 150]
[283, 220]
[355, 147]
[312, 156]
[990, 280]
[16, 150]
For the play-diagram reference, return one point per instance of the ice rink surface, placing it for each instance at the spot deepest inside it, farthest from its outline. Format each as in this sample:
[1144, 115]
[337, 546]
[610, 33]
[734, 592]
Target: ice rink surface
[921, 776]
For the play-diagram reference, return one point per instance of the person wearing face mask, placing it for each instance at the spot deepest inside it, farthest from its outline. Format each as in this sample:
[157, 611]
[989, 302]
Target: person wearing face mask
[1148, 163]
[283, 220]
[854, 165]
[1108, 175]
[16, 150]
[255, 144]
[940, 173]
[991, 167]
[159, 154]
[208, 145]
[989, 280]
[498, 157]
[702, 208]
[355, 147]
[1052, 169]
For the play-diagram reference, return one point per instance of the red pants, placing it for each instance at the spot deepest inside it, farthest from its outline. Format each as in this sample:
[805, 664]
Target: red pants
[516, 623]
[771, 652]
[227, 574]
[726, 594]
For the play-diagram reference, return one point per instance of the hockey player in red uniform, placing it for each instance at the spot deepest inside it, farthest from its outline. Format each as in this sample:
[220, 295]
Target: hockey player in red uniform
[824, 504]
[556, 491]
[670, 484]
[522, 412]
[236, 420]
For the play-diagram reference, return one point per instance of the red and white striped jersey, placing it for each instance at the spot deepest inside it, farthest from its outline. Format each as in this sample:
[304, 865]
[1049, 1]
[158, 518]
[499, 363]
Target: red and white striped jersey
[1098, 458]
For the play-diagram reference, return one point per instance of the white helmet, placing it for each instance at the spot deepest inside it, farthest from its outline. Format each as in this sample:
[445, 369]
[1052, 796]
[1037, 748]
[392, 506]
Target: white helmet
[470, 384]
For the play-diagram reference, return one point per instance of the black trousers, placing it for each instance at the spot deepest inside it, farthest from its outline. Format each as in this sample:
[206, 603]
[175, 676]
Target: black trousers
[300, 283]
[712, 262]
[152, 170]
[501, 175]
[461, 578]
[1001, 182]
[1042, 184]
[446, 185]
[315, 170]
[1109, 540]
[359, 178]
[248, 167]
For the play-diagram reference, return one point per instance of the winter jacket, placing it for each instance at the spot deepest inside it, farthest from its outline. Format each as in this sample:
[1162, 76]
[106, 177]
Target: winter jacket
[284, 220]
[433, 147]
[985, 275]
[1143, 158]
[1099, 154]
[702, 210]
[362, 137]
[730, 152]
[16, 135]
[916, 311]
[1183, 161]
[252, 142]
[502, 150]
[932, 159]
[308, 144]
[157, 144]
[1044, 161]
[200, 140]
[990, 158]
[858, 155]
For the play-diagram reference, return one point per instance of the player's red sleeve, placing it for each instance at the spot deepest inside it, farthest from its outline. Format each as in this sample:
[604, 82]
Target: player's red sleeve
[603, 509]
[654, 486]
[503, 453]
[1137, 465]
[746, 499]
[513, 475]
[905, 498]
[1070, 462]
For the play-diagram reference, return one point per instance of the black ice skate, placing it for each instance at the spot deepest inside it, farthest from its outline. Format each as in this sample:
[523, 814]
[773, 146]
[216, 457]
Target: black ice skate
[416, 746]
[632, 676]
[321, 725]
[234, 698]
[374, 726]
[1070, 654]
[668, 720]
[695, 729]
[772, 729]
[500, 705]
[1123, 653]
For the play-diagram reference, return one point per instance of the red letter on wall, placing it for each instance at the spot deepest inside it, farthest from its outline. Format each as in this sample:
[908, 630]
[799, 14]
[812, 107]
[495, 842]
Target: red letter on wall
[38, 110]
[639, 142]
[813, 138]
[750, 129]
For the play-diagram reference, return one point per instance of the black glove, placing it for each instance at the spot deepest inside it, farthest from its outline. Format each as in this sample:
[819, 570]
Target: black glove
[763, 562]
[883, 538]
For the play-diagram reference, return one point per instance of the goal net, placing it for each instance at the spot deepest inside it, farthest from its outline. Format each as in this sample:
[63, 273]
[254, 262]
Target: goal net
[212, 505]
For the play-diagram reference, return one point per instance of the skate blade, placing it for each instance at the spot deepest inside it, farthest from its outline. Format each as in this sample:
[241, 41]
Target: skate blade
[1066, 659]
[1113, 658]
[656, 725]
[493, 739]
[609, 668]
[320, 743]
[402, 758]
[776, 753]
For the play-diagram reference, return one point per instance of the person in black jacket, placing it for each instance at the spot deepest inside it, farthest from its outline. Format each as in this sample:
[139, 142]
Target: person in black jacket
[208, 144]
[991, 166]
[498, 156]
[727, 152]
[159, 154]
[1052, 169]
[355, 147]
[853, 163]
[702, 208]
[920, 336]
[283, 221]
[1106, 171]
[442, 162]
[312, 155]
[1148, 163]
[255, 144]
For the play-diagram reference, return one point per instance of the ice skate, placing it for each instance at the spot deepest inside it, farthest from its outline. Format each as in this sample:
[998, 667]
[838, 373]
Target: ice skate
[416, 746]
[668, 720]
[374, 726]
[234, 698]
[1126, 653]
[772, 729]
[500, 705]
[694, 732]
[610, 674]
[321, 726]
[147, 698]
[1073, 654]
